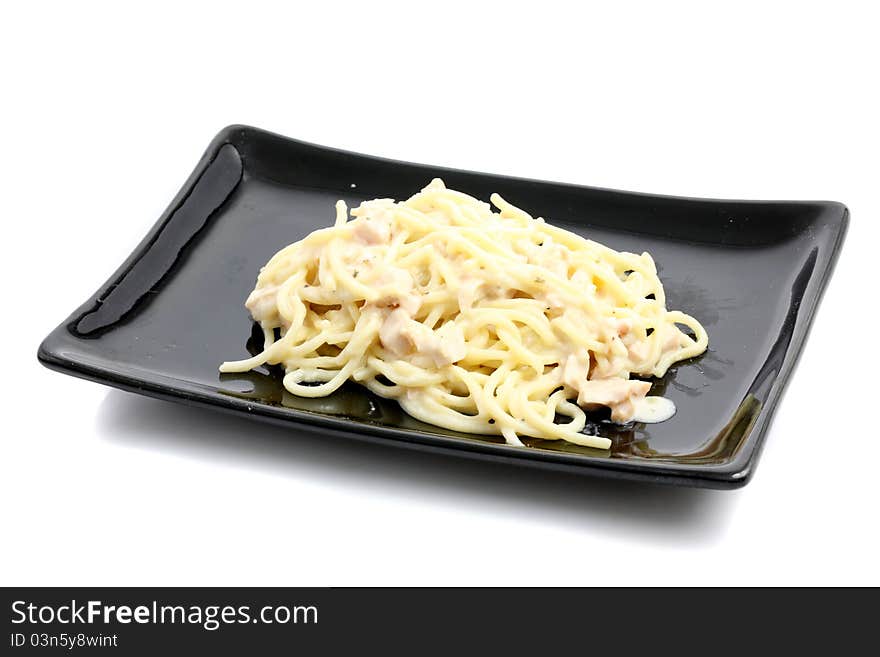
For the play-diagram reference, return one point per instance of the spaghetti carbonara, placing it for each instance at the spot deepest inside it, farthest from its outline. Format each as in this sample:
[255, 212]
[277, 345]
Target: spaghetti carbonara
[478, 321]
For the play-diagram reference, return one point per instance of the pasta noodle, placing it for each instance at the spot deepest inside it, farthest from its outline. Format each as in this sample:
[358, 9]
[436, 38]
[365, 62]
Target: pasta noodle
[479, 321]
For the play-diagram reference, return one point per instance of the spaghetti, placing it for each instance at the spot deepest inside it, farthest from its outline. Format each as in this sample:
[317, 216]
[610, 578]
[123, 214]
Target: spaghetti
[479, 321]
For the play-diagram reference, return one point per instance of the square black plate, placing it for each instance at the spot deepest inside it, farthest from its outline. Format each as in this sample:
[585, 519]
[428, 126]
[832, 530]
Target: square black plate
[751, 271]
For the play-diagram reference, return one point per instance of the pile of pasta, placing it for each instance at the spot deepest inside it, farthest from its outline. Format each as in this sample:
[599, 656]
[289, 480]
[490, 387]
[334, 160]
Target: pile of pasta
[477, 320]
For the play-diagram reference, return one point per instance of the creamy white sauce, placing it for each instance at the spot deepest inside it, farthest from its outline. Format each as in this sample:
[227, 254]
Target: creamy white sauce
[653, 409]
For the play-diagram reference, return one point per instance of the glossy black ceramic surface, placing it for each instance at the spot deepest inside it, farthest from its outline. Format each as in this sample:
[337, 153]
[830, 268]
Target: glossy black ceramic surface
[752, 272]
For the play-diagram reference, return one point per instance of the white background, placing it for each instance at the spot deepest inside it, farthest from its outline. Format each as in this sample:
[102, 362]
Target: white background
[105, 111]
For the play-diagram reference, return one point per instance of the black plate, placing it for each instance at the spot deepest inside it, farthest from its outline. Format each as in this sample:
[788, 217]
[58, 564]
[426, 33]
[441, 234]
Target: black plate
[751, 271]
